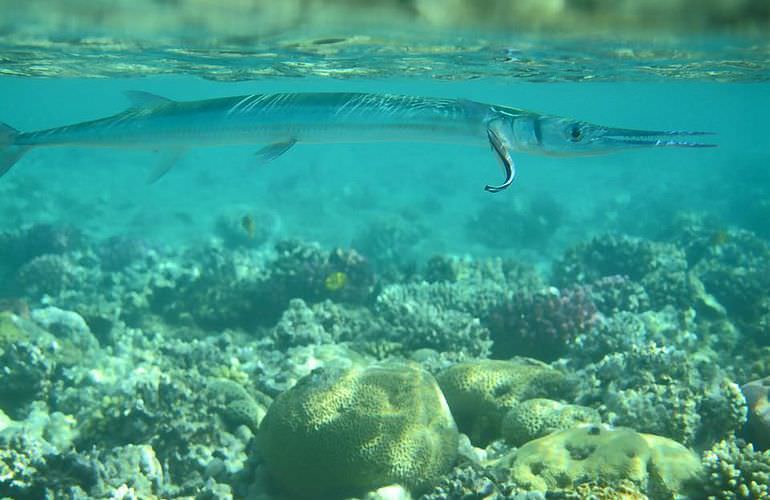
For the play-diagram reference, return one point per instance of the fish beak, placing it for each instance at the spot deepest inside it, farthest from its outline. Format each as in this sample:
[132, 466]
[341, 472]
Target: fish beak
[624, 137]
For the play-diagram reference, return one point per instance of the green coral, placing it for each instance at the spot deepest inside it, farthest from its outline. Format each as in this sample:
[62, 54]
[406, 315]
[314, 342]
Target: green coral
[481, 392]
[345, 432]
[538, 417]
[601, 453]
[734, 471]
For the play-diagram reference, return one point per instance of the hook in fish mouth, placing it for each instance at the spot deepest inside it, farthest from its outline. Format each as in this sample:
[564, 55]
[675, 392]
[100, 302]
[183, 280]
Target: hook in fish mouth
[620, 137]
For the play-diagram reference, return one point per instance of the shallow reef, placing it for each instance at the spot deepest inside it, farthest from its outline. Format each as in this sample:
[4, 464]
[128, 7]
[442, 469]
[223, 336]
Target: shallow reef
[634, 369]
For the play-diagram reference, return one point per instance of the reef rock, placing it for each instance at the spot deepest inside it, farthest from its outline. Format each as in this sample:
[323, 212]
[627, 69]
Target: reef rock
[346, 432]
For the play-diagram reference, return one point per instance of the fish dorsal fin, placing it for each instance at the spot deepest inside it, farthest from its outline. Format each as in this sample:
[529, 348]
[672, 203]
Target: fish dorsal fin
[141, 99]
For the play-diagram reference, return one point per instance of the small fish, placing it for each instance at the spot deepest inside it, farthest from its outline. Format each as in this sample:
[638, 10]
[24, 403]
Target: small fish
[249, 225]
[336, 281]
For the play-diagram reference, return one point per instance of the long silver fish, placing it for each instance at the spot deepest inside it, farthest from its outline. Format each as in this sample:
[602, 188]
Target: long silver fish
[283, 120]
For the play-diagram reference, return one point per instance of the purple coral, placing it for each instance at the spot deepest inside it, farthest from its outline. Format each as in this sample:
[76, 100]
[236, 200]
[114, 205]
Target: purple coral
[542, 324]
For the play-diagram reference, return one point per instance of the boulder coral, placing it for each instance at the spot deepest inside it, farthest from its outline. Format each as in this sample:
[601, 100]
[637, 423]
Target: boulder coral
[481, 392]
[597, 452]
[346, 432]
[538, 417]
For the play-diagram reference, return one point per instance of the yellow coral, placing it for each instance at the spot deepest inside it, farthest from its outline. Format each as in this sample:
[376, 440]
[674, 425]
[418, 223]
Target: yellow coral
[481, 392]
[537, 417]
[601, 453]
[345, 432]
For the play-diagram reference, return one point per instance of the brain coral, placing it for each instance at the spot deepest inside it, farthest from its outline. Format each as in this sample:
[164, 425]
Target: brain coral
[537, 417]
[346, 432]
[597, 452]
[481, 392]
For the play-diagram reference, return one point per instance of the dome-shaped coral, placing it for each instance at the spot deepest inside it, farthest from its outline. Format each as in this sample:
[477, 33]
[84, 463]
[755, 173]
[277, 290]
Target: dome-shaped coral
[481, 392]
[346, 432]
[597, 452]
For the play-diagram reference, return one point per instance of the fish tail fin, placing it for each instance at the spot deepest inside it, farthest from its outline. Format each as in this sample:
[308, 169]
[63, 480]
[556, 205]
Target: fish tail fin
[10, 152]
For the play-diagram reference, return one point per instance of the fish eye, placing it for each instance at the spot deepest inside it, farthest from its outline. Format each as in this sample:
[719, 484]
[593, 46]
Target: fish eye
[575, 133]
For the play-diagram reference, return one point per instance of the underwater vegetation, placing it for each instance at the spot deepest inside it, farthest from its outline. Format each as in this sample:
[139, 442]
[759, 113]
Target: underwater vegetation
[635, 368]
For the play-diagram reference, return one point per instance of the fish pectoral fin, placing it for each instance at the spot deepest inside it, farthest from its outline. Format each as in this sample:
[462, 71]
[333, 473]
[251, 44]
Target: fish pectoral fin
[168, 159]
[273, 151]
[502, 147]
[142, 99]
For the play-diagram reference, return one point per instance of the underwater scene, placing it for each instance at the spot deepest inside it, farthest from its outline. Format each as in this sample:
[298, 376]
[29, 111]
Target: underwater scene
[403, 249]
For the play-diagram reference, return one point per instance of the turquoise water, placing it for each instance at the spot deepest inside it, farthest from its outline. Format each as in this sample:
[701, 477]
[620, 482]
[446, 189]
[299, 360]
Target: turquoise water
[146, 330]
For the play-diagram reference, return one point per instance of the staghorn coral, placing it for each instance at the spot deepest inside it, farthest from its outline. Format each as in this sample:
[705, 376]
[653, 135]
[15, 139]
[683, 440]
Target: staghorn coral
[480, 393]
[542, 324]
[351, 431]
[735, 470]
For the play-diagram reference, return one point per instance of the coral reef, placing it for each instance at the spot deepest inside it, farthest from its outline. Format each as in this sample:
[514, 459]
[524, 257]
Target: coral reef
[664, 391]
[136, 371]
[540, 325]
[480, 393]
[348, 432]
[661, 268]
[416, 316]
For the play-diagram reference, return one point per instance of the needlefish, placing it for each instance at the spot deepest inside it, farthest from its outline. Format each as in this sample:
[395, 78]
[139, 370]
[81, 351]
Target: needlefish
[285, 119]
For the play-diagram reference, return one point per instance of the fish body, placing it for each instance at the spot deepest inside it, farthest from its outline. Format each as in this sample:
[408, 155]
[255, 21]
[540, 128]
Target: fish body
[273, 118]
[285, 119]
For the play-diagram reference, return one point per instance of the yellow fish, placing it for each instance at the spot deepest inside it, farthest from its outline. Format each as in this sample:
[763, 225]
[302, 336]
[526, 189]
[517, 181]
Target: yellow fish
[336, 281]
